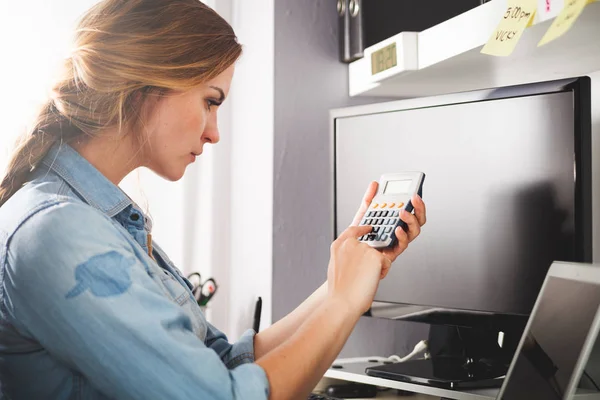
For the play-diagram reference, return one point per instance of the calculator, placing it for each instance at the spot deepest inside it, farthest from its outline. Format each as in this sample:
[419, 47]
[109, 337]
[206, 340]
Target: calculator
[393, 195]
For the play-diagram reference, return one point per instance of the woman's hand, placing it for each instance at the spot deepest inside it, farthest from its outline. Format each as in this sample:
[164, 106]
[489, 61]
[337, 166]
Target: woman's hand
[414, 221]
[354, 270]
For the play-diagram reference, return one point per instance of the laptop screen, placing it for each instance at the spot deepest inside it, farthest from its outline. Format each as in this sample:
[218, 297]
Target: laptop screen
[554, 339]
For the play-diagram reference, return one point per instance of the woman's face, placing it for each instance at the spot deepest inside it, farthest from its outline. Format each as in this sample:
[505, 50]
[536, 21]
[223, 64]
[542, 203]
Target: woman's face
[181, 124]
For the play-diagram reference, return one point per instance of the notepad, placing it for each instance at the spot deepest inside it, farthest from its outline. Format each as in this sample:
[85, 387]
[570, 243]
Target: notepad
[518, 15]
[565, 20]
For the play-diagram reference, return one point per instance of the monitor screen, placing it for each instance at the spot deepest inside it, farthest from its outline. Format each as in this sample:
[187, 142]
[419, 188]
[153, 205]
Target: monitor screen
[501, 196]
[553, 341]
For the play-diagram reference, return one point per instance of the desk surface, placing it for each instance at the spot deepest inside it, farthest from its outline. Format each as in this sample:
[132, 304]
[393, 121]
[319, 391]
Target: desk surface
[356, 373]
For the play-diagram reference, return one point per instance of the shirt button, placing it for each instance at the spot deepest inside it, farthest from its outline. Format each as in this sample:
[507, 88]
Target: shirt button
[135, 217]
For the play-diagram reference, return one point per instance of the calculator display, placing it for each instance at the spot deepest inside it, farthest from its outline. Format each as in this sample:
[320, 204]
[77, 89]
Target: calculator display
[397, 187]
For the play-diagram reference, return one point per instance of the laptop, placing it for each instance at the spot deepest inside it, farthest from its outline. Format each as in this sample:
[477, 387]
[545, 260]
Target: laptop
[552, 357]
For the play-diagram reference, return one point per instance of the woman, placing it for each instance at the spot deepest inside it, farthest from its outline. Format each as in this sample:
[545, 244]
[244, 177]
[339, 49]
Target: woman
[90, 307]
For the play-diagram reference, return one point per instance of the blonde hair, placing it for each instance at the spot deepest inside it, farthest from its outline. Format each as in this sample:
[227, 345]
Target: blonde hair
[124, 51]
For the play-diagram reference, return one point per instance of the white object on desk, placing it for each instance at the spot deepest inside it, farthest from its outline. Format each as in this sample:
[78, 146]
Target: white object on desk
[418, 349]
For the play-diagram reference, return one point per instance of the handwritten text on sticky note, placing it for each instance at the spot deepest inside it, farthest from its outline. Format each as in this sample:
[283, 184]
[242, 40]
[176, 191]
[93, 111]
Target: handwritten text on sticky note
[517, 17]
[565, 20]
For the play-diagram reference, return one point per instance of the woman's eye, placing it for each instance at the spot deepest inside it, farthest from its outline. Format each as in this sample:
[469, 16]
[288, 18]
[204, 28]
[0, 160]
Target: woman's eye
[210, 103]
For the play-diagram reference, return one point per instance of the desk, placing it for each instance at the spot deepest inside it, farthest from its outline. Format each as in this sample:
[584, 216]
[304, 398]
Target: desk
[356, 373]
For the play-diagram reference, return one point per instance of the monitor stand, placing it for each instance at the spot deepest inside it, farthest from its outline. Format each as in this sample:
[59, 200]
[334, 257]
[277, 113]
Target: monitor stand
[460, 358]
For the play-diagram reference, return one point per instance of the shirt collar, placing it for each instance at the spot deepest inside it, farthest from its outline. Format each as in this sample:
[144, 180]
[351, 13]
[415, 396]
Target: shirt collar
[93, 187]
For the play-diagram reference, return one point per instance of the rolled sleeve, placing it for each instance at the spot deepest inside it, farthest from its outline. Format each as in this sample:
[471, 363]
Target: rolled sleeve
[239, 357]
[255, 383]
[101, 314]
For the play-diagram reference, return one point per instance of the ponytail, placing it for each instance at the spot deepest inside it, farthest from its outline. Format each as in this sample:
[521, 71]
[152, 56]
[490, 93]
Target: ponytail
[49, 128]
[25, 157]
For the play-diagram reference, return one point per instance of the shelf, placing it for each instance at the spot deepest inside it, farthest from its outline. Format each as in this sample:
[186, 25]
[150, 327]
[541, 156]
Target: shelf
[356, 373]
[447, 57]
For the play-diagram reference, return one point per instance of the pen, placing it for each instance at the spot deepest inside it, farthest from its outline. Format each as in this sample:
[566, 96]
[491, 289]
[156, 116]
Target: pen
[257, 311]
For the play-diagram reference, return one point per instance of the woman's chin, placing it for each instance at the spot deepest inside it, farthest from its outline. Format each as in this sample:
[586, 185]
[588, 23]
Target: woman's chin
[172, 175]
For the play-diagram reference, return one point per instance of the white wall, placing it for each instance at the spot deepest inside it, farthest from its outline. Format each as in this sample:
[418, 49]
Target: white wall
[34, 37]
[251, 187]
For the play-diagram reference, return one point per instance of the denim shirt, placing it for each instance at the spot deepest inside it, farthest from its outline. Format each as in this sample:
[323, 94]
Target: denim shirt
[87, 313]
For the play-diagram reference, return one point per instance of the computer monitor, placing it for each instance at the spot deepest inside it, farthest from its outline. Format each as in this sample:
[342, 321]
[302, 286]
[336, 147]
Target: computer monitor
[508, 192]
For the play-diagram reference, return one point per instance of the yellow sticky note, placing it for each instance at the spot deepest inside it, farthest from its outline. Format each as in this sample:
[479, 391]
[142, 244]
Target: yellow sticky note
[504, 39]
[563, 21]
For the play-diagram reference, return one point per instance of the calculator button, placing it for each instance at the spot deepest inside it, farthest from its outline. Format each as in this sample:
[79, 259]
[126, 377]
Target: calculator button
[388, 229]
[363, 222]
[384, 237]
[368, 222]
[383, 205]
[380, 221]
[375, 205]
[385, 213]
[393, 221]
[376, 229]
[392, 205]
[400, 205]
[395, 213]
